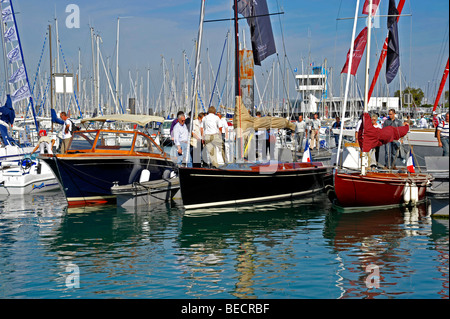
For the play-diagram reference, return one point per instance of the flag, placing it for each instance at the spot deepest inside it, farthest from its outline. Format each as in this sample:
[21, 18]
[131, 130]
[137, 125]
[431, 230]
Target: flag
[7, 15]
[256, 12]
[20, 94]
[375, 4]
[14, 55]
[410, 163]
[393, 51]
[18, 75]
[306, 154]
[11, 34]
[358, 51]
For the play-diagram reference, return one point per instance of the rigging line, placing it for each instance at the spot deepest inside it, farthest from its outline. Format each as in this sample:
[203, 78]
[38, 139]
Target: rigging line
[250, 17]
[218, 73]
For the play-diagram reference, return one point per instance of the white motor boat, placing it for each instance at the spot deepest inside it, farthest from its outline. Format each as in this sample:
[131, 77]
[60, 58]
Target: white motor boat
[28, 177]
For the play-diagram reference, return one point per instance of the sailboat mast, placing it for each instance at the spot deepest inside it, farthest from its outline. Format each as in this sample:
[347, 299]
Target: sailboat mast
[236, 53]
[364, 157]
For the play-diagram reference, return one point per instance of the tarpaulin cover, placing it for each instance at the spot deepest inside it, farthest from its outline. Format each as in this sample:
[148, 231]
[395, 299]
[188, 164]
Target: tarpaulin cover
[370, 137]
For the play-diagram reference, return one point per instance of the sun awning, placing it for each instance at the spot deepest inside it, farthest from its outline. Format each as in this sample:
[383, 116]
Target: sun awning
[142, 120]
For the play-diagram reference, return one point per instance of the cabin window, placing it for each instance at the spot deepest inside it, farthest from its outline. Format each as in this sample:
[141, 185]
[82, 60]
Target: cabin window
[82, 140]
[144, 144]
[109, 140]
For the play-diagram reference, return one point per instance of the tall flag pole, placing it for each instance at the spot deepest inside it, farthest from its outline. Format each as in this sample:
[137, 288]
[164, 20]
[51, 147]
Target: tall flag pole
[14, 56]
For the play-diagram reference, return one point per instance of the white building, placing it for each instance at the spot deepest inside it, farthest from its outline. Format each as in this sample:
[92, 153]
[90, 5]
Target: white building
[384, 103]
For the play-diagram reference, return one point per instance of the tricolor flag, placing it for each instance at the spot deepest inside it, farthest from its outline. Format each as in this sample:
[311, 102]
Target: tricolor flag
[410, 163]
[306, 154]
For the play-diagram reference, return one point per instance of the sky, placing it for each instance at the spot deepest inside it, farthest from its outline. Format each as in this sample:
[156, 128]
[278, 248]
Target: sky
[307, 31]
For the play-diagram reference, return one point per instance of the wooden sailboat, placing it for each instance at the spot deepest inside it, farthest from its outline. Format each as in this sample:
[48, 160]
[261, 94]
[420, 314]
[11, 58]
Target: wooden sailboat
[246, 182]
[371, 190]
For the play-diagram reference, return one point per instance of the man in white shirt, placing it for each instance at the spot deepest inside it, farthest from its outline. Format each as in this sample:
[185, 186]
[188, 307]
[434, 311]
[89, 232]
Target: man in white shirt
[315, 130]
[181, 138]
[213, 138]
[67, 132]
[300, 132]
[423, 122]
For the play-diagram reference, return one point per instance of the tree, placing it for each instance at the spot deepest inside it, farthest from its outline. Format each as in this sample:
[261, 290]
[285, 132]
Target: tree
[417, 95]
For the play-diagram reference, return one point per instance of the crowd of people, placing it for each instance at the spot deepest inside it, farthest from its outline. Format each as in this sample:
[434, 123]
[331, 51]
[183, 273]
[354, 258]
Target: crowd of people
[211, 130]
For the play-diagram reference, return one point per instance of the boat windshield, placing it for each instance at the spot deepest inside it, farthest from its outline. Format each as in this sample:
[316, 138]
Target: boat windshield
[112, 141]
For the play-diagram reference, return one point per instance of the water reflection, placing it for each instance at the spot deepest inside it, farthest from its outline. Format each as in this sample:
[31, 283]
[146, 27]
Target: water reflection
[362, 241]
[298, 249]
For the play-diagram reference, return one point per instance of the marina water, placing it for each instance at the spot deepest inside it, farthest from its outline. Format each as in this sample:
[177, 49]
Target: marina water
[283, 250]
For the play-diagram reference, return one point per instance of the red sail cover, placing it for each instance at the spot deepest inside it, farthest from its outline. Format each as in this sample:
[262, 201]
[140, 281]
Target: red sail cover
[370, 137]
[358, 51]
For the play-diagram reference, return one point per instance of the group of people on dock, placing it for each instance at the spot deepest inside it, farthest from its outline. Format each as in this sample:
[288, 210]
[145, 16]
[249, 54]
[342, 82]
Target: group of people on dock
[208, 131]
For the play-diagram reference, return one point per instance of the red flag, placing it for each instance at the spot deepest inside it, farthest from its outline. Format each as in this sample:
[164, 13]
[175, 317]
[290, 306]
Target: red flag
[358, 51]
[375, 4]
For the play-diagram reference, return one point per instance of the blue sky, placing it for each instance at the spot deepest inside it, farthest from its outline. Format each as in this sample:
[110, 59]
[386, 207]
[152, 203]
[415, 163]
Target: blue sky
[166, 28]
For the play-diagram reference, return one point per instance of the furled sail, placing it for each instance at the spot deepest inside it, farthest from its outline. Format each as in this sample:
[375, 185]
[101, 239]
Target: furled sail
[242, 119]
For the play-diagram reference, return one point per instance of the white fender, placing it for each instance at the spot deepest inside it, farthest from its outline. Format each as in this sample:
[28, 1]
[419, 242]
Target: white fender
[407, 193]
[414, 193]
[145, 176]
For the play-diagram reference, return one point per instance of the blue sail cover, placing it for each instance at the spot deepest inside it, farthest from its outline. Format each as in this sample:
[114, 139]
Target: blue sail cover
[55, 118]
[7, 113]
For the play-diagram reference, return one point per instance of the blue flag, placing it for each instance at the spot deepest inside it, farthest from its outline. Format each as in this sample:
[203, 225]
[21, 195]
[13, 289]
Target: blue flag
[393, 50]
[256, 12]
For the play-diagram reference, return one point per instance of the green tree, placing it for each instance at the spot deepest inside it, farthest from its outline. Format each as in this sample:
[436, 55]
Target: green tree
[417, 95]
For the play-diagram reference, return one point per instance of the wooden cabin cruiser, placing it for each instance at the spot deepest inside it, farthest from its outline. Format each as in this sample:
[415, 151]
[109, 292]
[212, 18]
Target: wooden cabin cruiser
[97, 159]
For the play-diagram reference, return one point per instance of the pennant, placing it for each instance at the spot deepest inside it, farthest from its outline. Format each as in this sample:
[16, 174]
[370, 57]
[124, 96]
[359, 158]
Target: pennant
[14, 55]
[393, 50]
[20, 94]
[375, 4]
[256, 12]
[7, 15]
[410, 165]
[18, 75]
[358, 51]
[11, 34]
[306, 154]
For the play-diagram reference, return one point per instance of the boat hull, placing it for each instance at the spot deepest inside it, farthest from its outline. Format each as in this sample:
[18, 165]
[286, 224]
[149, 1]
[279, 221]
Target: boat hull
[376, 189]
[204, 187]
[87, 180]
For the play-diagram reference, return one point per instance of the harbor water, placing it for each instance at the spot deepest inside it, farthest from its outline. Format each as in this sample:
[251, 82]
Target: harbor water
[299, 249]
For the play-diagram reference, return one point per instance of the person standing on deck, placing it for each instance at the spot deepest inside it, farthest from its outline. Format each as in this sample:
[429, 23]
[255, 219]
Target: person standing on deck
[67, 132]
[336, 125]
[315, 131]
[213, 138]
[300, 132]
[442, 135]
[391, 148]
[181, 138]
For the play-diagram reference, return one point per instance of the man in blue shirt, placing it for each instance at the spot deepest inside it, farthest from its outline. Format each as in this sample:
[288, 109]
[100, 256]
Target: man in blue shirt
[391, 148]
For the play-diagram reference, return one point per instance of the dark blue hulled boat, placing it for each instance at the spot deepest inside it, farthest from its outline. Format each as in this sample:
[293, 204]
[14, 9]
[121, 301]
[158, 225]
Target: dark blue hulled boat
[100, 158]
